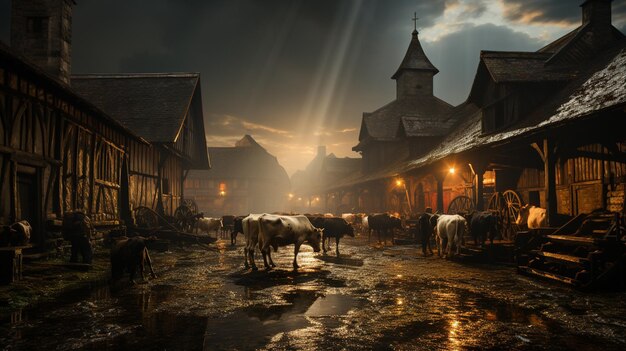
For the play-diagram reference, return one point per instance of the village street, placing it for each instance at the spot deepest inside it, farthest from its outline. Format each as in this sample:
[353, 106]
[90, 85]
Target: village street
[369, 298]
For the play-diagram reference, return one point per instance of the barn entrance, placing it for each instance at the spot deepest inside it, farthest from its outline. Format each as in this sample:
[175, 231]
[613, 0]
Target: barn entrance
[29, 199]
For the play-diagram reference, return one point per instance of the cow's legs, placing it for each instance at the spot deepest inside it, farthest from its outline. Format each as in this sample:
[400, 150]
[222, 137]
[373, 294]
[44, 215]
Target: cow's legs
[337, 245]
[269, 255]
[266, 253]
[251, 259]
[296, 249]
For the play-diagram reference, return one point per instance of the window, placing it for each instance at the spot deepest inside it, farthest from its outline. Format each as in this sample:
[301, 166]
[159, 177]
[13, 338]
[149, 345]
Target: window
[166, 186]
[37, 26]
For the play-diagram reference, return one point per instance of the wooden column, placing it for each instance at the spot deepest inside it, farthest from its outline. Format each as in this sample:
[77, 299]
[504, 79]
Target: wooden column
[479, 167]
[439, 177]
[550, 179]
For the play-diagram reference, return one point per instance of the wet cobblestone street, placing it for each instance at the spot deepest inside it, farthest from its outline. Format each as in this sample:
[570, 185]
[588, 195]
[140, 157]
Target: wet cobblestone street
[369, 298]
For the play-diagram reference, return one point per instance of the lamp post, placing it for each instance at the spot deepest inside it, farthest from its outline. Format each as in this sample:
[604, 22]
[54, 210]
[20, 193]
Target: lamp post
[400, 182]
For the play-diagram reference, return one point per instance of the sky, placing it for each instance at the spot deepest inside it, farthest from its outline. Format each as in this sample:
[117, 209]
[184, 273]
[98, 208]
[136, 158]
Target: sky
[295, 74]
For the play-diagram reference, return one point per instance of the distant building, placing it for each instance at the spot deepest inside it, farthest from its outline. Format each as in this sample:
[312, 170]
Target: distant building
[323, 171]
[243, 179]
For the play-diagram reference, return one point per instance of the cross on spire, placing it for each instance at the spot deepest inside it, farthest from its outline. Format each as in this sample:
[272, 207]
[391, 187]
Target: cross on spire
[415, 21]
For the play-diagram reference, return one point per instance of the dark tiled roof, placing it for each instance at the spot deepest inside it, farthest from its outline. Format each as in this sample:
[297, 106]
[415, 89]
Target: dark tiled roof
[152, 105]
[246, 160]
[24, 64]
[415, 58]
[344, 165]
[383, 123]
[523, 67]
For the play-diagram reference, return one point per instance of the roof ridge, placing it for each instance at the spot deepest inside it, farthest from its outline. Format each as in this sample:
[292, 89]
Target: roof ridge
[135, 75]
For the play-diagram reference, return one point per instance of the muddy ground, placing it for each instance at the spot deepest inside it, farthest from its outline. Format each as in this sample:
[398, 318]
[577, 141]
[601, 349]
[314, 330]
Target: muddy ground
[371, 297]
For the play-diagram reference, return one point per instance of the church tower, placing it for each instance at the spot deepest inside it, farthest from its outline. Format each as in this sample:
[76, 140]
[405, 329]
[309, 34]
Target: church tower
[414, 77]
[41, 30]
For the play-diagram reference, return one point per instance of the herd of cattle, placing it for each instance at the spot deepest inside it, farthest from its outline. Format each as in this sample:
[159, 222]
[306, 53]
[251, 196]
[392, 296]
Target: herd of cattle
[264, 232]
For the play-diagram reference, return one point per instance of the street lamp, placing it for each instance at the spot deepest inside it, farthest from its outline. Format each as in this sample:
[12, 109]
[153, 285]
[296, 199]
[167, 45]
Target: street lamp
[452, 170]
[400, 182]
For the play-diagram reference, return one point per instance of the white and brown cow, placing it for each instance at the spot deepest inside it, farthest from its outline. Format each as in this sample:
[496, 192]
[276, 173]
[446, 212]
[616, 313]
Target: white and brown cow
[531, 216]
[450, 230]
[250, 226]
[275, 231]
[207, 224]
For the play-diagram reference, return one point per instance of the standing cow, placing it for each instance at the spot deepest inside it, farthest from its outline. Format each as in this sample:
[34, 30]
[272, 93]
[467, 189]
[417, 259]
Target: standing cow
[275, 231]
[130, 254]
[385, 223]
[333, 228]
[237, 228]
[531, 216]
[78, 229]
[483, 225]
[426, 230]
[450, 230]
[206, 225]
[250, 225]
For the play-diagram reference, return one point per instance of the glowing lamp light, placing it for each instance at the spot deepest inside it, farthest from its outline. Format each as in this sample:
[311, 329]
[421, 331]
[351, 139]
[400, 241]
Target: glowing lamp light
[291, 196]
[222, 193]
[399, 182]
[317, 199]
[452, 170]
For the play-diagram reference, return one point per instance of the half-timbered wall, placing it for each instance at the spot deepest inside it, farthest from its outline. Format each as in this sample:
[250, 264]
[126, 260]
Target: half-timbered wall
[171, 184]
[143, 182]
[56, 155]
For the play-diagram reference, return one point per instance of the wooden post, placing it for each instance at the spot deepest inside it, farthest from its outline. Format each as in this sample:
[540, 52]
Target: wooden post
[479, 168]
[550, 180]
[439, 177]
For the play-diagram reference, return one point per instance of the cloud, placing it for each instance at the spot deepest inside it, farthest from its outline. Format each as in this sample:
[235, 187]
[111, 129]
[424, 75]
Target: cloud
[456, 55]
[557, 12]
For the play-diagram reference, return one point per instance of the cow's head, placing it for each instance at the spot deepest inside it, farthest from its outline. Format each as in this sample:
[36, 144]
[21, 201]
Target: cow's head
[349, 230]
[314, 238]
[522, 217]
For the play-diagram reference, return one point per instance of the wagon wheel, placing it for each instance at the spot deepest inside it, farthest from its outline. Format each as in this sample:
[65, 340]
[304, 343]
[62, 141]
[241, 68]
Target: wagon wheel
[496, 203]
[461, 205]
[146, 218]
[183, 217]
[191, 203]
[512, 203]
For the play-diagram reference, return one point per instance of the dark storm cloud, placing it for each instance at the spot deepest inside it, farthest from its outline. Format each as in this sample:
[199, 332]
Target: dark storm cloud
[552, 11]
[456, 75]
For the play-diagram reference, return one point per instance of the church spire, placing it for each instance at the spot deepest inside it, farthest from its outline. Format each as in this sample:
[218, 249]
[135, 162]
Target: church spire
[415, 58]
[414, 77]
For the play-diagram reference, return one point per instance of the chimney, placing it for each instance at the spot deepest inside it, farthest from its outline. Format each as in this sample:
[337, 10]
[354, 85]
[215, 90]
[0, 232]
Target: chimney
[597, 12]
[41, 30]
[321, 151]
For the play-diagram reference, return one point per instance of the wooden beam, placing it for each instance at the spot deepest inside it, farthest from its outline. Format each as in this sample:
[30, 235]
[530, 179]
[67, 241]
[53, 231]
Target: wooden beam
[550, 179]
[539, 150]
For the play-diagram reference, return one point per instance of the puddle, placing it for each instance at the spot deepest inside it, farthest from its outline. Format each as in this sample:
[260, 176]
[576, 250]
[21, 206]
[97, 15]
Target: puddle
[331, 305]
[342, 260]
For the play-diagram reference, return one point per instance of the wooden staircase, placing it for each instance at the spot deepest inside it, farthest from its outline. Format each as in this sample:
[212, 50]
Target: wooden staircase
[587, 252]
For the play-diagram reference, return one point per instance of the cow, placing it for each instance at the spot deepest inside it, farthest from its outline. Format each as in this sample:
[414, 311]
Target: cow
[531, 216]
[333, 228]
[16, 234]
[275, 231]
[208, 224]
[250, 225]
[383, 222]
[237, 228]
[483, 225]
[450, 230]
[365, 227]
[425, 229]
[78, 229]
[128, 254]
[228, 221]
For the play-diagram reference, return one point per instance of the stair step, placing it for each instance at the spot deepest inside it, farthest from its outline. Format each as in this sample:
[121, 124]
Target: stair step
[561, 257]
[572, 240]
[548, 275]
